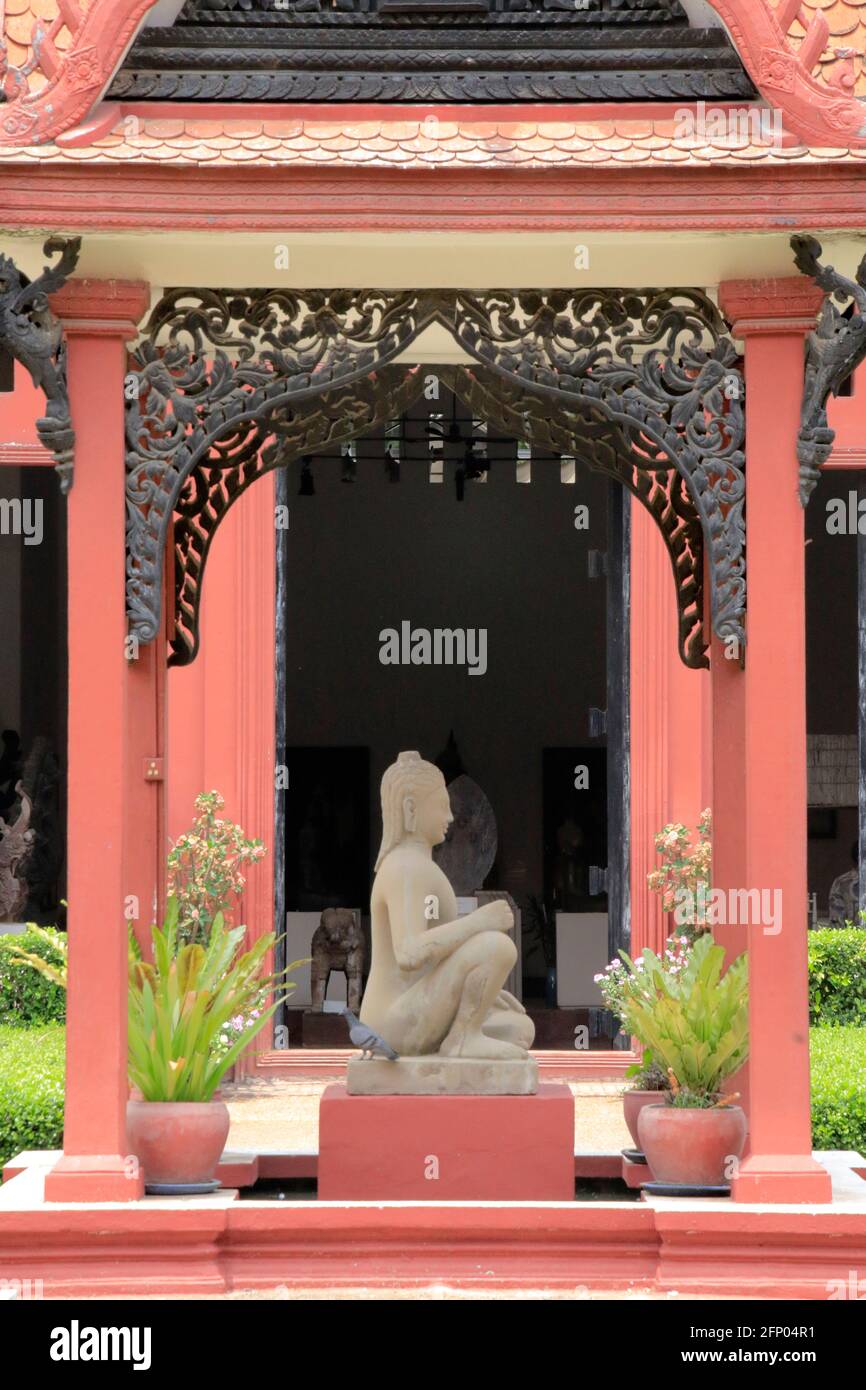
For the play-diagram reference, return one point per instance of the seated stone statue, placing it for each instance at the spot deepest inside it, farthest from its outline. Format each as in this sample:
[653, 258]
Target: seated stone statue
[435, 983]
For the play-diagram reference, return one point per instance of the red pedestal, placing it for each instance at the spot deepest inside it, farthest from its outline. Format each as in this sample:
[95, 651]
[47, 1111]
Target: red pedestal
[447, 1148]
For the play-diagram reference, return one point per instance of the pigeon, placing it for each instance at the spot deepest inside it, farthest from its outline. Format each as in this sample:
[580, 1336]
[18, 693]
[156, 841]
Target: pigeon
[369, 1042]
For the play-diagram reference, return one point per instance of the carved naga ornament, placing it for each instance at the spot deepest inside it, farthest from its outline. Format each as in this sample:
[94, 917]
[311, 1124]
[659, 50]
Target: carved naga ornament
[33, 335]
[834, 350]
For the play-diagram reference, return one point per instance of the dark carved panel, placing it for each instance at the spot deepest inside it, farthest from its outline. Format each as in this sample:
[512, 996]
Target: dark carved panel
[833, 351]
[431, 50]
[643, 384]
[33, 335]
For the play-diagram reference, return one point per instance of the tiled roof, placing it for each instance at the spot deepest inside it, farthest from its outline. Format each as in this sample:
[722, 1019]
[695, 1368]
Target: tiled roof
[26, 21]
[843, 61]
[416, 144]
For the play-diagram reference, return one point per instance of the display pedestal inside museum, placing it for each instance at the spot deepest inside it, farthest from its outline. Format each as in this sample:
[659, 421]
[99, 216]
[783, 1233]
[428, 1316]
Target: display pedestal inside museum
[447, 1148]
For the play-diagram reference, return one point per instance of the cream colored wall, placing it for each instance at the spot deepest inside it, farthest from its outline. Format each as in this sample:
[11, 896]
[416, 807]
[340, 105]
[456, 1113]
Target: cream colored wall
[419, 260]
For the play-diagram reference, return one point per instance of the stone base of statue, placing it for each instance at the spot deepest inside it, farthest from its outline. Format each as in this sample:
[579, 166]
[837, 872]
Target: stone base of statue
[442, 1076]
[439, 1148]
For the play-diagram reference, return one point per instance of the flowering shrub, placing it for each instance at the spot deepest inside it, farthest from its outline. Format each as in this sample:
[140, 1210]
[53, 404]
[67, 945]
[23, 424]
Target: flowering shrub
[683, 881]
[205, 868]
[240, 1023]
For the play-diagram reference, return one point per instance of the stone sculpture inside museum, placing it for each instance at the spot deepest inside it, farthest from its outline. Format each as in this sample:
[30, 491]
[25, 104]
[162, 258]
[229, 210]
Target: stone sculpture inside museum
[16, 843]
[436, 981]
[338, 944]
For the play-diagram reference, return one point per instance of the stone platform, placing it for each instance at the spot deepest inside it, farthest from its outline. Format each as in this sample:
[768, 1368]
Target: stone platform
[441, 1076]
[411, 1148]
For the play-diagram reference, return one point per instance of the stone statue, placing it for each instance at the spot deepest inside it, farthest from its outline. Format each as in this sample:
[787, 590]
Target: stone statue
[435, 985]
[15, 847]
[338, 944]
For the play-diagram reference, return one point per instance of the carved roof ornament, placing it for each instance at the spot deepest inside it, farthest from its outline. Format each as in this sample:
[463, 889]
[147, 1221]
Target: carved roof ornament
[32, 333]
[644, 384]
[834, 350]
[58, 57]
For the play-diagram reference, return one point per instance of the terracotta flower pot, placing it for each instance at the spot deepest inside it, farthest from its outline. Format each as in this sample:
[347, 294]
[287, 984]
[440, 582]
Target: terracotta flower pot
[633, 1103]
[177, 1141]
[692, 1148]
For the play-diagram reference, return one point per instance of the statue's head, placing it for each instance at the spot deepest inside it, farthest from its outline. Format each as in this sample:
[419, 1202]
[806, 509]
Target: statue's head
[414, 803]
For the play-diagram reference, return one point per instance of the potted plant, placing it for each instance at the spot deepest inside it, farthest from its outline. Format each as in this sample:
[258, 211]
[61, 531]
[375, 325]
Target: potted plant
[191, 1013]
[696, 1022]
[649, 1081]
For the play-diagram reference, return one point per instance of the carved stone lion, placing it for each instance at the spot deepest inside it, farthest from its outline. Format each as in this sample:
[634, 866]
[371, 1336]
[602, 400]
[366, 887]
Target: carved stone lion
[338, 944]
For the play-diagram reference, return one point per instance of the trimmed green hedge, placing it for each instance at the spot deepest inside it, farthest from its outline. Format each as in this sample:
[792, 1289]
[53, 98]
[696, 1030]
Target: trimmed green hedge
[839, 1088]
[837, 977]
[27, 997]
[32, 1063]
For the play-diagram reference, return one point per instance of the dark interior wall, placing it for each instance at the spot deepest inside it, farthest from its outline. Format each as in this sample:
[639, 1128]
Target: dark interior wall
[831, 659]
[367, 556]
[33, 685]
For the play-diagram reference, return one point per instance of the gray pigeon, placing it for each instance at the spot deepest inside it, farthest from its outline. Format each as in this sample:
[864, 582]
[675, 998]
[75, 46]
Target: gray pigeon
[369, 1042]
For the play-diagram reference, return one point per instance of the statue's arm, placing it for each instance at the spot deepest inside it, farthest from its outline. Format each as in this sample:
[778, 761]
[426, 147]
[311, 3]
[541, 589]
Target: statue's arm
[416, 943]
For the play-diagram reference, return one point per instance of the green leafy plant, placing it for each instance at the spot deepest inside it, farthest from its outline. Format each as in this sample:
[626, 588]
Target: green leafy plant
[32, 1064]
[184, 1005]
[33, 976]
[205, 868]
[683, 880]
[54, 963]
[837, 977]
[618, 984]
[695, 1021]
[647, 1075]
[838, 1087]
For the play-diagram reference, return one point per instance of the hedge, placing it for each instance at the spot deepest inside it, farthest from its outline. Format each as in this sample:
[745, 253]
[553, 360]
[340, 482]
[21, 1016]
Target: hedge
[837, 977]
[26, 997]
[31, 1089]
[839, 1088]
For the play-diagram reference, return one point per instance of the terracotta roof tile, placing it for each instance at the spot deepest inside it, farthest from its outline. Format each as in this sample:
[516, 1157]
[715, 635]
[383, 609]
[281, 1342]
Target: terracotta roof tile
[406, 143]
[843, 62]
[17, 28]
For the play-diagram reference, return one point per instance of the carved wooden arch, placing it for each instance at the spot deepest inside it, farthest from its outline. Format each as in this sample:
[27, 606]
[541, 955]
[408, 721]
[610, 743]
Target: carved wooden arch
[649, 379]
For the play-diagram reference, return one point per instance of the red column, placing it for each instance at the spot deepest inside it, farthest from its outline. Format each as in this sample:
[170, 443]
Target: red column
[223, 716]
[772, 317]
[668, 702]
[99, 317]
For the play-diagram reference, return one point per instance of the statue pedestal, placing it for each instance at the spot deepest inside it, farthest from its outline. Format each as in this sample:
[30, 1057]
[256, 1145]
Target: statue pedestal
[447, 1148]
[441, 1076]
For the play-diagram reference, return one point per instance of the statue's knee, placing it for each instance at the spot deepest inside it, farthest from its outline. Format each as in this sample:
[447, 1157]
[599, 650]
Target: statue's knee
[498, 948]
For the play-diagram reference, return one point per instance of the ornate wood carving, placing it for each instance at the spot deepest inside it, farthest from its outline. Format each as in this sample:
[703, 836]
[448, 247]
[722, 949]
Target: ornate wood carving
[588, 432]
[833, 351]
[33, 335]
[431, 50]
[650, 378]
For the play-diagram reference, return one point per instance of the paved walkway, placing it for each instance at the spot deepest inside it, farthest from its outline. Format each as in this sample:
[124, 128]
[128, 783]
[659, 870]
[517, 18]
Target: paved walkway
[278, 1116]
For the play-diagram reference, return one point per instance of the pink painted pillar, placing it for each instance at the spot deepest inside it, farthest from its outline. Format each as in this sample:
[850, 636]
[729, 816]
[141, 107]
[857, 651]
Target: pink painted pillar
[669, 713]
[99, 317]
[773, 317]
[728, 755]
[222, 723]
